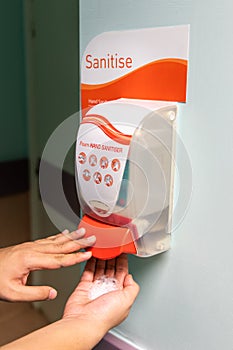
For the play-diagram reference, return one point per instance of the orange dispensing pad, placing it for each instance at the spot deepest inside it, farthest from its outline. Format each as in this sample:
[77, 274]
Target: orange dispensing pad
[111, 241]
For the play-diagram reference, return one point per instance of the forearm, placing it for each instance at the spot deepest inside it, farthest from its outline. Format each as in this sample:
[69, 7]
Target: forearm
[61, 335]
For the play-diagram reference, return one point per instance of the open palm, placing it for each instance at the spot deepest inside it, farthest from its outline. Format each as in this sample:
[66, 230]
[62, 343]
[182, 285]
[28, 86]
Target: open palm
[110, 308]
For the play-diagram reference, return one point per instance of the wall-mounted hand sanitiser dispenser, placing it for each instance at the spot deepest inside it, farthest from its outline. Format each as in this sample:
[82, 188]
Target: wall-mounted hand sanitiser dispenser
[125, 143]
[124, 175]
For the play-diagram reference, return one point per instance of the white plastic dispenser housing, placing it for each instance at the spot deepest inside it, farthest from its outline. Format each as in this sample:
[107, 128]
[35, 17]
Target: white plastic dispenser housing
[124, 175]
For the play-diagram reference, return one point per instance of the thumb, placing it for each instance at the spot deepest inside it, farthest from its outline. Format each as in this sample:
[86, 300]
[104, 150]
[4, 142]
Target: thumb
[131, 288]
[36, 293]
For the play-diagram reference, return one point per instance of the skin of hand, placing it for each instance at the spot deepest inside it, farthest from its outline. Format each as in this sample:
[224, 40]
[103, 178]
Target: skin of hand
[16, 263]
[111, 308]
[85, 321]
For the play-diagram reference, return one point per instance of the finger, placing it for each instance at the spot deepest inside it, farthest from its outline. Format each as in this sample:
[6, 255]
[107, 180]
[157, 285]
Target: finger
[73, 245]
[74, 235]
[86, 242]
[89, 271]
[67, 246]
[110, 268]
[34, 293]
[121, 268]
[55, 261]
[100, 269]
[64, 236]
[131, 289]
[52, 238]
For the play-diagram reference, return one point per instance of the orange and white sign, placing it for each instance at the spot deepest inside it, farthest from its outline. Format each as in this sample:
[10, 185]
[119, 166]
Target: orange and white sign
[149, 64]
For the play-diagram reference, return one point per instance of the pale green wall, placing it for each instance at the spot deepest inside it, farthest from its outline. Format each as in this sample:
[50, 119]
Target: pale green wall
[13, 120]
[53, 89]
[55, 57]
[186, 297]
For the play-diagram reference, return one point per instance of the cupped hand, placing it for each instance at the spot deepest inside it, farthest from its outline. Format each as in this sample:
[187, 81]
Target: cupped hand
[16, 263]
[111, 308]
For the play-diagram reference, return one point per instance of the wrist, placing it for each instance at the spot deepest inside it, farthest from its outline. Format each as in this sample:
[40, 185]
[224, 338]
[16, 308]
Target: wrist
[67, 333]
[91, 330]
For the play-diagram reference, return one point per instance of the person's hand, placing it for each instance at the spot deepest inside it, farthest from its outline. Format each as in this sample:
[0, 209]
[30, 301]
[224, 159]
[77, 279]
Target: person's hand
[107, 310]
[85, 321]
[16, 263]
